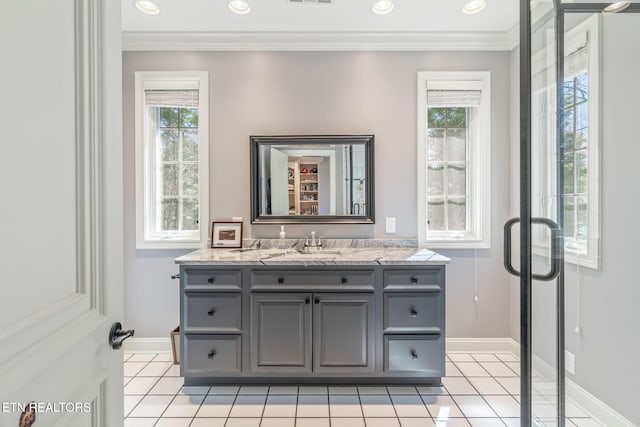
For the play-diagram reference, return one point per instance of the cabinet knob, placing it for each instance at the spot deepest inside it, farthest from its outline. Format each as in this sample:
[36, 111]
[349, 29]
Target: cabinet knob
[414, 313]
[307, 300]
[414, 280]
[280, 280]
[211, 279]
[414, 355]
[344, 280]
[211, 354]
[211, 312]
[316, 301]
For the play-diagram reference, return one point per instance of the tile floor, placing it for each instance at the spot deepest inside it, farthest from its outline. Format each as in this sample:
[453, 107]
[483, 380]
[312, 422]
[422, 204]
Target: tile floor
[480, 390]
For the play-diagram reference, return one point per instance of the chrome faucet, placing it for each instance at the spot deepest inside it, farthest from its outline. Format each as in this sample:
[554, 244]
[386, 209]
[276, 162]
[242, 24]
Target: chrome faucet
[314, 243]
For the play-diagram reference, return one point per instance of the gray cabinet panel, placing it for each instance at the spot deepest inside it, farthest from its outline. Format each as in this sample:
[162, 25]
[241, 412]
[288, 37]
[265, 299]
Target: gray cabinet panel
[312, 279]
[427, 279]
[213, 280]
[343, 332]
[281, 332]
[211, 355]
[420, 353]
[413, 312]
[212, 312]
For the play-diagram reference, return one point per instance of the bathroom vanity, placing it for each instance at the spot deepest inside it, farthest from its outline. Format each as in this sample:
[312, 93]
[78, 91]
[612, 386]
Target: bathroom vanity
[340, 315]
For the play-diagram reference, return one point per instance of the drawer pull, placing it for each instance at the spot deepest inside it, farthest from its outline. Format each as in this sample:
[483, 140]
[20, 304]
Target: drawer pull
[344, 280]
[211, 279]
[414, 355]
[414, 280]
[211, 312]
[210, 355]
[414, 313]
[280, 280]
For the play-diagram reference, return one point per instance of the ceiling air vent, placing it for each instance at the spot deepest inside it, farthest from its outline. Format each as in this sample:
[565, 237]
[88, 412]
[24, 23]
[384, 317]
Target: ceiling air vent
[312, 1]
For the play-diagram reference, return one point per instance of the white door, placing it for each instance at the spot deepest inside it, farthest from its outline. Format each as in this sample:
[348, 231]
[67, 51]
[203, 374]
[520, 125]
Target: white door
[60, 211]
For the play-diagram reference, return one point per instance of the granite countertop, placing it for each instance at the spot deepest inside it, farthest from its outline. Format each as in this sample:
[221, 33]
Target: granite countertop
[333, 252]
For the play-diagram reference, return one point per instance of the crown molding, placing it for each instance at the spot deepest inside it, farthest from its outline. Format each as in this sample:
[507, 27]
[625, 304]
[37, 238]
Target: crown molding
[304, 41]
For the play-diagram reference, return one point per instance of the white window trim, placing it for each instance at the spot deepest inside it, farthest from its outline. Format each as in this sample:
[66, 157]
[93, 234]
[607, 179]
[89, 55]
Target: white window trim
[586, 30]
[479, 235]
[144, 160]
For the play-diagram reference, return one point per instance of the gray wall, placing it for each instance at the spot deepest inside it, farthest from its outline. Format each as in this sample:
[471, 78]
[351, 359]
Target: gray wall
[324, 92]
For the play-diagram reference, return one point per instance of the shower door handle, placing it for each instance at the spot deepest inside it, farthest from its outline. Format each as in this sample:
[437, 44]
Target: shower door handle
[557, 248]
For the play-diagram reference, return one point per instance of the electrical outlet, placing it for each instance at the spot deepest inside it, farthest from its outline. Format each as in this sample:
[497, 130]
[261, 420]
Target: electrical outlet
[390, 225]
[570, 362]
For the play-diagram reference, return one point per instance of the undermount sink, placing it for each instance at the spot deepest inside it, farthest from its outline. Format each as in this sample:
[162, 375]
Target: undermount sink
[320, 252]
[311, 255]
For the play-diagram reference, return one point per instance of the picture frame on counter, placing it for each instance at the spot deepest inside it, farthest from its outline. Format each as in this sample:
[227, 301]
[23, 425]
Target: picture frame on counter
[226, 234]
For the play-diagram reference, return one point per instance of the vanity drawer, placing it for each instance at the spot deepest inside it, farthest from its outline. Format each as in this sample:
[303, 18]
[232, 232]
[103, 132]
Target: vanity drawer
[213, 311]
[309, 279]
[416, 353]
[212, 354]
[213, 280]
[413, 312]
[427, 279]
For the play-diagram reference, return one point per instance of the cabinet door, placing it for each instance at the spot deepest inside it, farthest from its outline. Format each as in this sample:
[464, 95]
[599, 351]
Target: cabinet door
[281, 332]
[343, 333]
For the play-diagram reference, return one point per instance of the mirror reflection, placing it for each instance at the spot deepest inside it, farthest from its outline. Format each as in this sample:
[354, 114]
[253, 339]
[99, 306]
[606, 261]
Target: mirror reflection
[312, 178]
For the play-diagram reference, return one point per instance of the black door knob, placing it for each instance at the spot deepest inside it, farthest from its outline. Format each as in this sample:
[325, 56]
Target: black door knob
[117, 335]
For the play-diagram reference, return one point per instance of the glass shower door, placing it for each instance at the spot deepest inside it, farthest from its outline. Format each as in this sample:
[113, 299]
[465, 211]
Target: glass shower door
[579, 203]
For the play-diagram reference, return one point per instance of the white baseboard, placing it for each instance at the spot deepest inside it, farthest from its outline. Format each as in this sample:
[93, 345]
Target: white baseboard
[472, 345]
[147, 345]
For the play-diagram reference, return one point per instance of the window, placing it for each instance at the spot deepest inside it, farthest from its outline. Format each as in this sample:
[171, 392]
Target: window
[454, 155]
[171, 159]
[580, 151]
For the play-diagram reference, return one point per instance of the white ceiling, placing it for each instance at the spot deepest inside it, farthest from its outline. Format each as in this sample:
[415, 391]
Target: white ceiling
[342, 25]
[343, 16]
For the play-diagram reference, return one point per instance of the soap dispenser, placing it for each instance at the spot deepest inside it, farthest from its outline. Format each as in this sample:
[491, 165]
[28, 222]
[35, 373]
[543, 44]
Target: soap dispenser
[282, 244]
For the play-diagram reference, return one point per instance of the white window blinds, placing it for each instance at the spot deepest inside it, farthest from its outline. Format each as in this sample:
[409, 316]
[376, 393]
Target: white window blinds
[453, 98]
[171, 98]
[576, 62]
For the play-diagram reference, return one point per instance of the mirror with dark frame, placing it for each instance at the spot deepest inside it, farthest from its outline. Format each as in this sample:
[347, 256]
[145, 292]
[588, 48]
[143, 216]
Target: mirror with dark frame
[311, 179]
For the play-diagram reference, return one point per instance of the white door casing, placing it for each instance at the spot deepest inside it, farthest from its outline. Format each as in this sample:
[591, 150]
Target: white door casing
[61, 216]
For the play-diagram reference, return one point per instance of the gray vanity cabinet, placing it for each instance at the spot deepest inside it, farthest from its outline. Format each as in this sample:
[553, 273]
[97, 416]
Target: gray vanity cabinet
[357, 324]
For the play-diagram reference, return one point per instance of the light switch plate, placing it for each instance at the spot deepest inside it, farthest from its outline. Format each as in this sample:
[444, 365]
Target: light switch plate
[390, 225]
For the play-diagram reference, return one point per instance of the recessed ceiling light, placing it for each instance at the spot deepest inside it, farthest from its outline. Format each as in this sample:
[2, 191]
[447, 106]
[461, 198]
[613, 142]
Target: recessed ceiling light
[240, 7]
[148, 7]
[382, 7]
[474, 6]
[617, 7]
